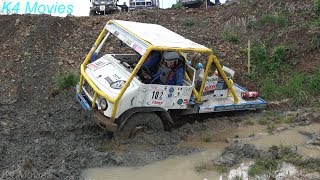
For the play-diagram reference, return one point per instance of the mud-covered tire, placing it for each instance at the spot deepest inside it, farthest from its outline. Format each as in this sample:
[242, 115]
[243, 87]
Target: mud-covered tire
[148, 122]
[92, 13]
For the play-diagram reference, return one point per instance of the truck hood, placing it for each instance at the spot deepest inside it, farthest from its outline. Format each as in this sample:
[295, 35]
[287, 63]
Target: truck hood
[109, 75]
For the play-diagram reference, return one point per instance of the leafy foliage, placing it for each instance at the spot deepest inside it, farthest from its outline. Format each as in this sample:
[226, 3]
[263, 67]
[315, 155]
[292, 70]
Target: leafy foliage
[67, 80]
[230, 36]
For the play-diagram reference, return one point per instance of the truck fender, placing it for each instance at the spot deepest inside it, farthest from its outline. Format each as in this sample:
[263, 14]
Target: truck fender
[162, 113]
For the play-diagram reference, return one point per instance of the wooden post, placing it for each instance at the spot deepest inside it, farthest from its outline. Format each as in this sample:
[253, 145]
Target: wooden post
[249, 61]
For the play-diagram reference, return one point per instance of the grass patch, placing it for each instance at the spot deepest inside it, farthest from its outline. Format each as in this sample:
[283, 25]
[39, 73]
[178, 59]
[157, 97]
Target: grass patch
[269, 63]
[315, 43]
[299, 88]
[279, 54]
[271, 128]
[317, 5]
[314, 82]
[188, 22]
[64, 81]
[263, 121]
[279, 20]
[295, 89]
[209, 167]
[204, 167]
[289, 155]
[259, 56]
[272, 119]
[263, 166]
[271, 68]
[221, 168]
[316, 22]
[230, 36]
[249, 122]
[207, 139]
[101, 149]
[310, 164]
[269, 89]
[284, 120]
[284, 154]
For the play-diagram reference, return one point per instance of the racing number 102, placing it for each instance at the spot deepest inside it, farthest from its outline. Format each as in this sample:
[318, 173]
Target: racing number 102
[157, 95]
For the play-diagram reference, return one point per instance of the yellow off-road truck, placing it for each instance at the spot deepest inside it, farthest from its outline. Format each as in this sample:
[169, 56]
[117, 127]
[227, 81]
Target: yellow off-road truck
[112, 85]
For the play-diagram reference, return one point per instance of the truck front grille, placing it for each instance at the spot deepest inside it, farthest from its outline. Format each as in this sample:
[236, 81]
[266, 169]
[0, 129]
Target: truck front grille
[89, 89]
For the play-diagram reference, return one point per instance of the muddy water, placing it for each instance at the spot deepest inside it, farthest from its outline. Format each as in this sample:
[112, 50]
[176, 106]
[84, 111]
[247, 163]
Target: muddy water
[174, 168]
[184, 167]
[289, 137]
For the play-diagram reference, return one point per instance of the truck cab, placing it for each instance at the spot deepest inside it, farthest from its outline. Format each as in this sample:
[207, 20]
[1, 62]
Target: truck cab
[112, 87]
[191, 3]
[143, 4]
[102, 7]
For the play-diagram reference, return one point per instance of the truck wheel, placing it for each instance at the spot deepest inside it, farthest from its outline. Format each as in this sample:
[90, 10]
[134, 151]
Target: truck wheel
[92, 13]
[140, 122]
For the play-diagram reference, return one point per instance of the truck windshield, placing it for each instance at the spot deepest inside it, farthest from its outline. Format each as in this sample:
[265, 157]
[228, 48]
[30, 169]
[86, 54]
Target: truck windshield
[102, 1]
[140, 3]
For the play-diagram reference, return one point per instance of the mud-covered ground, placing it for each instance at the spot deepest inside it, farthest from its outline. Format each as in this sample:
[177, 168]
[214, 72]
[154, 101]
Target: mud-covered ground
[44, 134]
[57, 139]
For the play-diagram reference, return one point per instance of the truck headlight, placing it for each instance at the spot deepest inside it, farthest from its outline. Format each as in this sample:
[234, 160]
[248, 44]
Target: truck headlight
[103, 104]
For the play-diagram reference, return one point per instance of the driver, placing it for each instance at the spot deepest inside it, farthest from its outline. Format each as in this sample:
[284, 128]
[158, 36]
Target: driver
[169, 71]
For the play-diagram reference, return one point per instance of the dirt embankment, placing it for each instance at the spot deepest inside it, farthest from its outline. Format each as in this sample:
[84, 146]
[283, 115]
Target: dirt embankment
[46, 136]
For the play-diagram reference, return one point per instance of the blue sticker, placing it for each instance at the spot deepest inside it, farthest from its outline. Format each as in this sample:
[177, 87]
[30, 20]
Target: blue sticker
[169, 95]
[171, 89]
[180, 101]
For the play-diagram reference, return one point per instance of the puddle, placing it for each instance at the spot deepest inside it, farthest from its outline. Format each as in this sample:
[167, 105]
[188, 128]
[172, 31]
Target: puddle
[184, 167]
[181, 167]
[292, 137]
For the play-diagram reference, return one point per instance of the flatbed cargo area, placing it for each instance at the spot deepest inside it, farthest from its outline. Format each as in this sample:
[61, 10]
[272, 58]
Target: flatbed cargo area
[227, 104]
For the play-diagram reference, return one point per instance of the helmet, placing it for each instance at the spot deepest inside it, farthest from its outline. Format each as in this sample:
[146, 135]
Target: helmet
[170, 57]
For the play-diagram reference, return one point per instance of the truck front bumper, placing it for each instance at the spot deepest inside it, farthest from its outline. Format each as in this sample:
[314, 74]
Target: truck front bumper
[103, 8]
[85, 104]
[100, 119]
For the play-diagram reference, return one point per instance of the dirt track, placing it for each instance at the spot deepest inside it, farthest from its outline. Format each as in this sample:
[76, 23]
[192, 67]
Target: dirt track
[44, 135]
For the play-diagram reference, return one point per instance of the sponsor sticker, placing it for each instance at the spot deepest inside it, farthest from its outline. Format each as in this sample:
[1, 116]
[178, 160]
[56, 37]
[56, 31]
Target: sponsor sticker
[97, 65]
